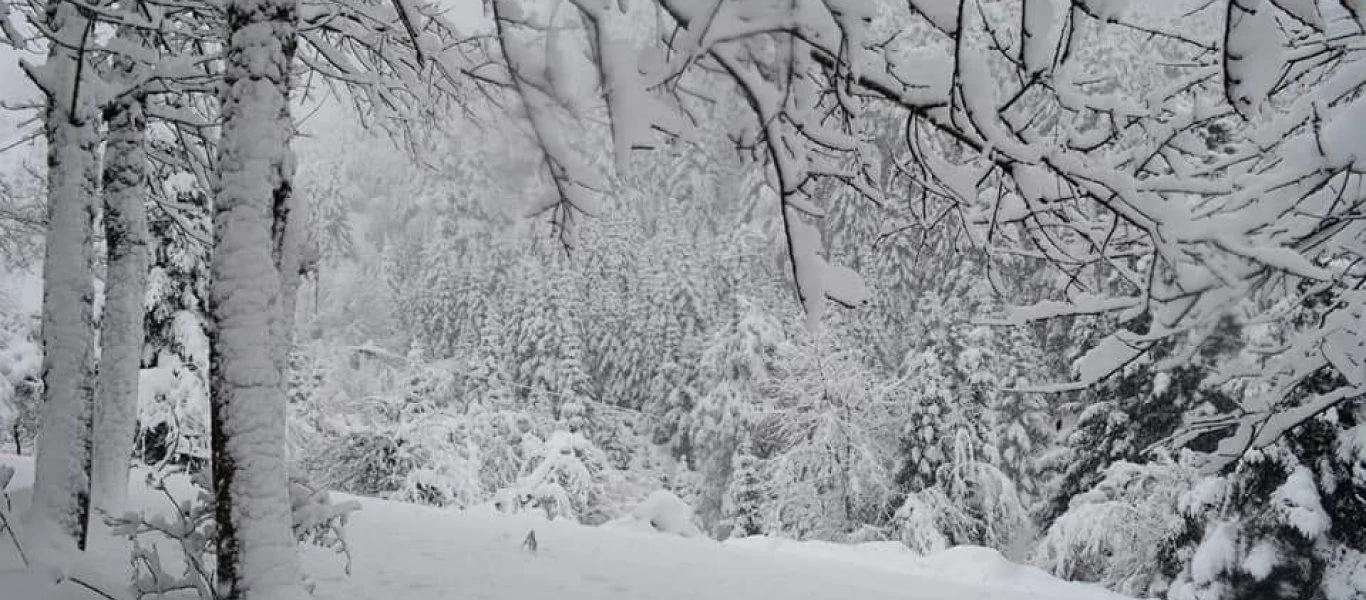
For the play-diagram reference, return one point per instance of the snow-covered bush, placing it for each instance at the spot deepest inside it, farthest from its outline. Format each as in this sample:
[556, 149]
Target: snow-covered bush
[437, 462]
[173, 397]
[317, 520]
[449, 472]
[1118, 533]
[564, 476]
[402, 428]
[20, 387]
[368, 462]
[971, 502]
[664, 512]
[496, 438]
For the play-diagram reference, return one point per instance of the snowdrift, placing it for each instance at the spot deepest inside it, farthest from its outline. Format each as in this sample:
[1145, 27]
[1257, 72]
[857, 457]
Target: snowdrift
[410, 552]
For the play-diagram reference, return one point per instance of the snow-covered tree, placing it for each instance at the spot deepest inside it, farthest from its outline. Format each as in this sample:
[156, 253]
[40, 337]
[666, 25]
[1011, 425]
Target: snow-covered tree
[935, 414]
[564, 476]
[970, 502]
[254, 260]
[832, 438]
[1124, 532]
[550, 363]
[1122, 417]
[745, 507]
[125, 192]
[739, 369]
[61, 487]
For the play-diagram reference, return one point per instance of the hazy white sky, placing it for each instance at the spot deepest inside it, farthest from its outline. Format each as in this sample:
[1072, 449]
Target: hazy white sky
[14, 87]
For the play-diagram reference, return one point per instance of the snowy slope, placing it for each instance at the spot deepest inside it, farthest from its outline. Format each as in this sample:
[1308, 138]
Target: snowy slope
[407, 552]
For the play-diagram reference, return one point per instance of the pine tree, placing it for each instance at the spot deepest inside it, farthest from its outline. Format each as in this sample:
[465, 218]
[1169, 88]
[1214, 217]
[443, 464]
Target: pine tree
[175, 348]
[549, 354]
[934, 417]
[1285, 520]
[747, 495]
[739, 366]
[1132, 410]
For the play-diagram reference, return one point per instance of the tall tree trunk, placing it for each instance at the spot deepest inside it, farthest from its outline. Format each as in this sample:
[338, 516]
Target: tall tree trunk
[291, 219]
[61, 486]
[121, 333]
[257, 557]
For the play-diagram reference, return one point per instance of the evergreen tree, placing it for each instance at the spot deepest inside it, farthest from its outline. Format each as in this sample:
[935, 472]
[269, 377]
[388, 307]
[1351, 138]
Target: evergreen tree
[747, 496]
[1137, 407]
[1286, 520]
[739, 367]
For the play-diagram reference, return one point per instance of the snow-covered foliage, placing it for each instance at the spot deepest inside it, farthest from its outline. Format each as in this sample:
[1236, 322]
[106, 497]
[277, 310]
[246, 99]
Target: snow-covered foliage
[970, 501]
[1278, 521]
[664, 512]
[564, 476]
[20, 398]
[173, 407]
[317, 520]
[1121, 531]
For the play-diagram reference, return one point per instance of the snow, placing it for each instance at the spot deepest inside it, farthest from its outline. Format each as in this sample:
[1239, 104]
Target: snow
[1107, 9]
[1043, 23]
[1161, 382]
[662, 511]
[1261, 560]
[968, 565]
[1111, 354]
[1346, 579]
[1343, 144]
[1306, 11]
[943, 14]
[1298, 502]
[419, 553]
[1252, 64]
[23, 471]
[1216, 553]
[815, 278]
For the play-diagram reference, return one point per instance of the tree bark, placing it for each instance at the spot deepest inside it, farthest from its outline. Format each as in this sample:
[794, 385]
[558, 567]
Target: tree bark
[61, 489]
[257, 557]
[121, 334]
[291, 221]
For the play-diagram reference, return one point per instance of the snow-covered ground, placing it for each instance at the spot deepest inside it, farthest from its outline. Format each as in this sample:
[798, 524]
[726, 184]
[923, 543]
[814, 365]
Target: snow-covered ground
[409, 552]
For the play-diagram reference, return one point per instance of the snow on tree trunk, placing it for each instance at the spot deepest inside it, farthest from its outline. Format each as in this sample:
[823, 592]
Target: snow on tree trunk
[121, 333]
[290, 229]
[257, 558]
[61, 487]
